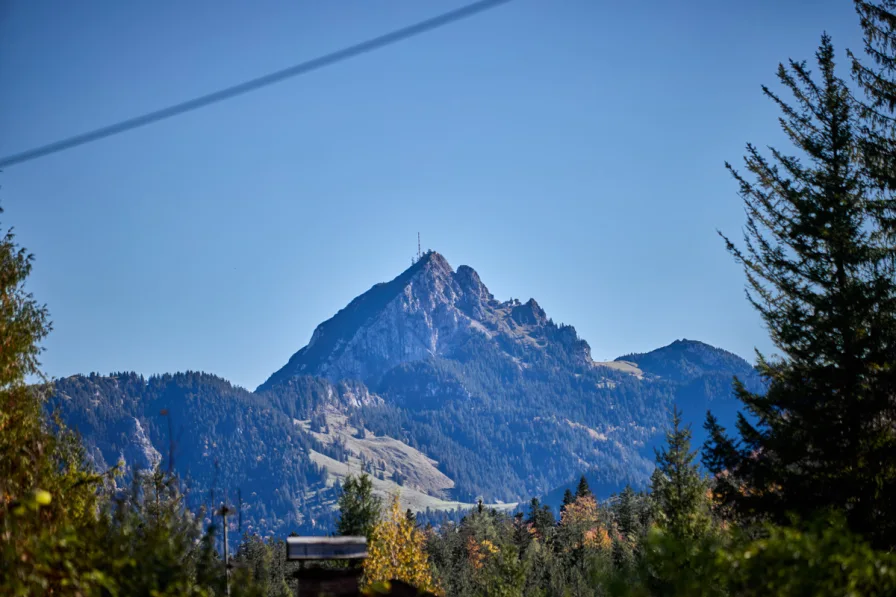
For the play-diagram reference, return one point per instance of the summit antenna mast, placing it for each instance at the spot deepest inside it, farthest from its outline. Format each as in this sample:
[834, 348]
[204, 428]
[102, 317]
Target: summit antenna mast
[419, 251]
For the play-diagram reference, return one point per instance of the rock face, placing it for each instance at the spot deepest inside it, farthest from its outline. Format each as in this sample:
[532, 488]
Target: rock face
[427, 311]
[139, 453]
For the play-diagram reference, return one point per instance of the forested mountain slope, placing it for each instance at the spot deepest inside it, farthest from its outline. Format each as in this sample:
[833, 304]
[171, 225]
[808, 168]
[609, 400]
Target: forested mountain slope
[429, 383]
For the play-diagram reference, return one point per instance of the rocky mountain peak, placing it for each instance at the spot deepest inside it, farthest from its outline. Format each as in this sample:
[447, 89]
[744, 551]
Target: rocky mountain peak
[425, 312]
[529, 313]
[469, 282]
[475, 297]
[432, 260]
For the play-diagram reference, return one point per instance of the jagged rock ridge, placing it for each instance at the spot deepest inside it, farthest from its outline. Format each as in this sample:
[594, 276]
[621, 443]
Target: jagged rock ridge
[427, 311]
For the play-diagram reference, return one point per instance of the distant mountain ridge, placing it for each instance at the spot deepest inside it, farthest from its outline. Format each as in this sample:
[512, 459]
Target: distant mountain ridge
[427, 382]
[686, 360]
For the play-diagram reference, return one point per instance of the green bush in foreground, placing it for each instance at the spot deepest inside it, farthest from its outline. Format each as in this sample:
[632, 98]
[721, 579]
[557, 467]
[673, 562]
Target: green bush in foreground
[819, 559]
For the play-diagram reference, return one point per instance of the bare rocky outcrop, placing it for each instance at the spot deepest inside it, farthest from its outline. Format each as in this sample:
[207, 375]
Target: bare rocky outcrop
[426, 312]
[139, 453]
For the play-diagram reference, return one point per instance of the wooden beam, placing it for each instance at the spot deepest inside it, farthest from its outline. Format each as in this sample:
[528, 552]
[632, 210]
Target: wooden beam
[326, 548]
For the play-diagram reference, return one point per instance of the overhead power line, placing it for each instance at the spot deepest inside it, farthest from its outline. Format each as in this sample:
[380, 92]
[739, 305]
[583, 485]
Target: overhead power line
[269, 79]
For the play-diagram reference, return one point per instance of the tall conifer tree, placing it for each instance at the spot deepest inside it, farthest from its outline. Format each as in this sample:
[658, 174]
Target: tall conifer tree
[568, 498]
[875, 72]
[583, 490]
[359, 508]
[820, 273]
[679, 489]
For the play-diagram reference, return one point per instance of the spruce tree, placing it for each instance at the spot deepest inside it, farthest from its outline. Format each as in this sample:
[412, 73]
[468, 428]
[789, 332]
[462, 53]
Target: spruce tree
[541, 518]
[876, 75]
[627, 512]
[568, 498]
[679, 489]
[820, 272]
[583, 490]
[521, 536]
[359, 509]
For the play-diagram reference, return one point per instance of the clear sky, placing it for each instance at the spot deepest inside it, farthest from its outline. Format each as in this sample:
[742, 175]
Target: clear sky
[568, 150]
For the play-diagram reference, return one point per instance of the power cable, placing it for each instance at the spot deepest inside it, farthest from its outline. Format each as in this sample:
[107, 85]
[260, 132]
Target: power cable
[251, 85]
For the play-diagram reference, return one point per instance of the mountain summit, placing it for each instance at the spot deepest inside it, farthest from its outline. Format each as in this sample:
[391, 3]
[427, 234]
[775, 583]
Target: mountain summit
[467, 379]
[686, 360]
[427, 311]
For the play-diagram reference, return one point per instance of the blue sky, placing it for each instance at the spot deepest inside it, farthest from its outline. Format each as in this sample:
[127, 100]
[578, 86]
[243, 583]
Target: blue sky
[568, 150]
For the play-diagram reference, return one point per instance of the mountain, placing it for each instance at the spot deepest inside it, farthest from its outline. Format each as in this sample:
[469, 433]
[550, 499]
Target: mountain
[218, 437]
[686, 360]
[427, 382]
[703, 374]
[703, 377]
[427, 312]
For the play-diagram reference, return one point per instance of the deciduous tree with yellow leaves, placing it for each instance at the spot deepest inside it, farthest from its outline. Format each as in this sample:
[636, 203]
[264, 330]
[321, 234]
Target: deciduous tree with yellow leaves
[46, 493]
[581, 527]
[61, 532]
[397, 552]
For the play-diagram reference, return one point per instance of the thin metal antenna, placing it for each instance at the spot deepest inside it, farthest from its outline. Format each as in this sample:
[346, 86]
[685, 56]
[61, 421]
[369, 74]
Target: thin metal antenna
[419, 250]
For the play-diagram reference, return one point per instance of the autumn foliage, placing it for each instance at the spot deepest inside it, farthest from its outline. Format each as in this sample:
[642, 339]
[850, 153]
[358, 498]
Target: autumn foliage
[397, 552]
[580, 524]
